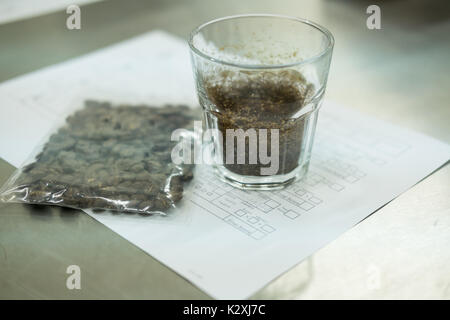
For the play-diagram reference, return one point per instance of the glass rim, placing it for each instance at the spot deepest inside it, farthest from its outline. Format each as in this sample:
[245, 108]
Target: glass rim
[323, 30]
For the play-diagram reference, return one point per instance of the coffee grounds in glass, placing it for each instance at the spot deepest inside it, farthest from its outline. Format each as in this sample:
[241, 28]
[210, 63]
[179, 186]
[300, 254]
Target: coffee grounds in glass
[262, 100]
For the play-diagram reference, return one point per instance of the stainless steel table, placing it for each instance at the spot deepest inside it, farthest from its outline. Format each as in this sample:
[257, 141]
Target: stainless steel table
[399, 74]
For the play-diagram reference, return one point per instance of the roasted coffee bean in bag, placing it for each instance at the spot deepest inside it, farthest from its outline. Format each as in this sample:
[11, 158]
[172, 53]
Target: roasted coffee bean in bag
[108, 157]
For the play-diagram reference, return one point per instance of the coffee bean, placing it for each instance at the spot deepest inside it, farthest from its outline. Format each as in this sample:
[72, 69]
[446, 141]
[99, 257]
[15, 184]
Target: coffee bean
[106, 157]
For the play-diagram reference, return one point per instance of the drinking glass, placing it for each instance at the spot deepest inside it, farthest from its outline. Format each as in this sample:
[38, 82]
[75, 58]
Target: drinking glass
[260, 80]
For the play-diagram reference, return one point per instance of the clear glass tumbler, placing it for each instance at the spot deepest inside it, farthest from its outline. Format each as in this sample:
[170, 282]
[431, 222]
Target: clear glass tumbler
[260, 80]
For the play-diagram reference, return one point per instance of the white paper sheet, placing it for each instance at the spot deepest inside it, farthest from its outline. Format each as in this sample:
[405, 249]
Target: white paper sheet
[234, 242]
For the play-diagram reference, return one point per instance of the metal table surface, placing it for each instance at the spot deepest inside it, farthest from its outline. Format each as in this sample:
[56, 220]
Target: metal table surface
[398, 74]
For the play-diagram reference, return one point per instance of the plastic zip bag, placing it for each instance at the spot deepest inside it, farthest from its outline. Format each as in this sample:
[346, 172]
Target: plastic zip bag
[107, 157]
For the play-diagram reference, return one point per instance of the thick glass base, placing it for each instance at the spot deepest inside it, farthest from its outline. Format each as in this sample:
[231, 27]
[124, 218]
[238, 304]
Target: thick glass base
[260, 182]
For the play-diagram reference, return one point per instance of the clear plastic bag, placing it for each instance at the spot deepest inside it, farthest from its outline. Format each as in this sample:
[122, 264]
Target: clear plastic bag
[107, 157]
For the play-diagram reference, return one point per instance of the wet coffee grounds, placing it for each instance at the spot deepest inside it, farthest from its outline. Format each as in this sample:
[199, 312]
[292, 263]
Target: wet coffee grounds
[268, 100]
